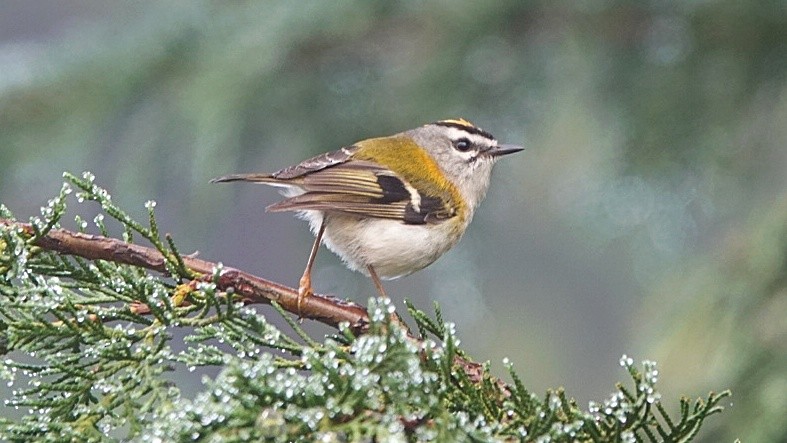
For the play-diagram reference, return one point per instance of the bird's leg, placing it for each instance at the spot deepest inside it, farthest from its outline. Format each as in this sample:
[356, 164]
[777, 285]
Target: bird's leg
[377, 283]
[305, 285]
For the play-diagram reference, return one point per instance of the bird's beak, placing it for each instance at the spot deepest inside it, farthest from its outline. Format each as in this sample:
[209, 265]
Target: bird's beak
[499, 150]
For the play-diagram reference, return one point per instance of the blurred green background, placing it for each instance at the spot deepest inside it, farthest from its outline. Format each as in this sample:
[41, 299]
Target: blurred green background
[648, 215]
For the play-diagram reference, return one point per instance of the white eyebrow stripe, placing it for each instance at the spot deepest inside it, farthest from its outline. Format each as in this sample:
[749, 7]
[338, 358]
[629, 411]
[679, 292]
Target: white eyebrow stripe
[456, 133]
[477, 139]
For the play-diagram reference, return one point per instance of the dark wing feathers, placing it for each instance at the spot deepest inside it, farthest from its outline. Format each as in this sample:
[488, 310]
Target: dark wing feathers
[333, 182]
[394, 189]
[431, 210]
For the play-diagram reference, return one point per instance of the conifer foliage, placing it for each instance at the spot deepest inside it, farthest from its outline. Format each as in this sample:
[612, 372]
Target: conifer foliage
[89, 351]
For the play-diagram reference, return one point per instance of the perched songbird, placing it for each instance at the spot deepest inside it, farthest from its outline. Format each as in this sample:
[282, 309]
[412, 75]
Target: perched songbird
[389, 206]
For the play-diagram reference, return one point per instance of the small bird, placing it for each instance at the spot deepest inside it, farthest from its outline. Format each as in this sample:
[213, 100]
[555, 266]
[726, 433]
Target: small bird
[389, 206]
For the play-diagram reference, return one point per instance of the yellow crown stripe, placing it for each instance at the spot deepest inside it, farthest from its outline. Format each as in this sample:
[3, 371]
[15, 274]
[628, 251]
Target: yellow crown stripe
[459, 121]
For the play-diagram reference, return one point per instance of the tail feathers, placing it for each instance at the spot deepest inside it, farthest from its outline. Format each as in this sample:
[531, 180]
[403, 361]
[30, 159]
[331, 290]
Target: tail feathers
[254, 177]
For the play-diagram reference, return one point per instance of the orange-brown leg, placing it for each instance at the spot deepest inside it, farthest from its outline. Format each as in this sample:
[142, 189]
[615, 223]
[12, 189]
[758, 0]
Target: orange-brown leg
[305, 285]
[377, 283]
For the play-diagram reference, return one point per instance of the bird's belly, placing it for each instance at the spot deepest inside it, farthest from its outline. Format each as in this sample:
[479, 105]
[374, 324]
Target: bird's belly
[393, 248]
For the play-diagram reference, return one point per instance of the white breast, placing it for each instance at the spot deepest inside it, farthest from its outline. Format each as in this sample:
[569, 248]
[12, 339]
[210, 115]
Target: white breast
[393, 248]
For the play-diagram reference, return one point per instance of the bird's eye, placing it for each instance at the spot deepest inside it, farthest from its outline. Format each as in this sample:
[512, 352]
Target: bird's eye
[463, 145]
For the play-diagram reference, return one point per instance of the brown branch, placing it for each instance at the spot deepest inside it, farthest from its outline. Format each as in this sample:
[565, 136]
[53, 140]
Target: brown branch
[250, 288]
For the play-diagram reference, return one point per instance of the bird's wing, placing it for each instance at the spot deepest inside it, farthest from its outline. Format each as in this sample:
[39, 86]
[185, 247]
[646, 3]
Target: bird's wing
[356, 187]
[292, 174]
[316, 163]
